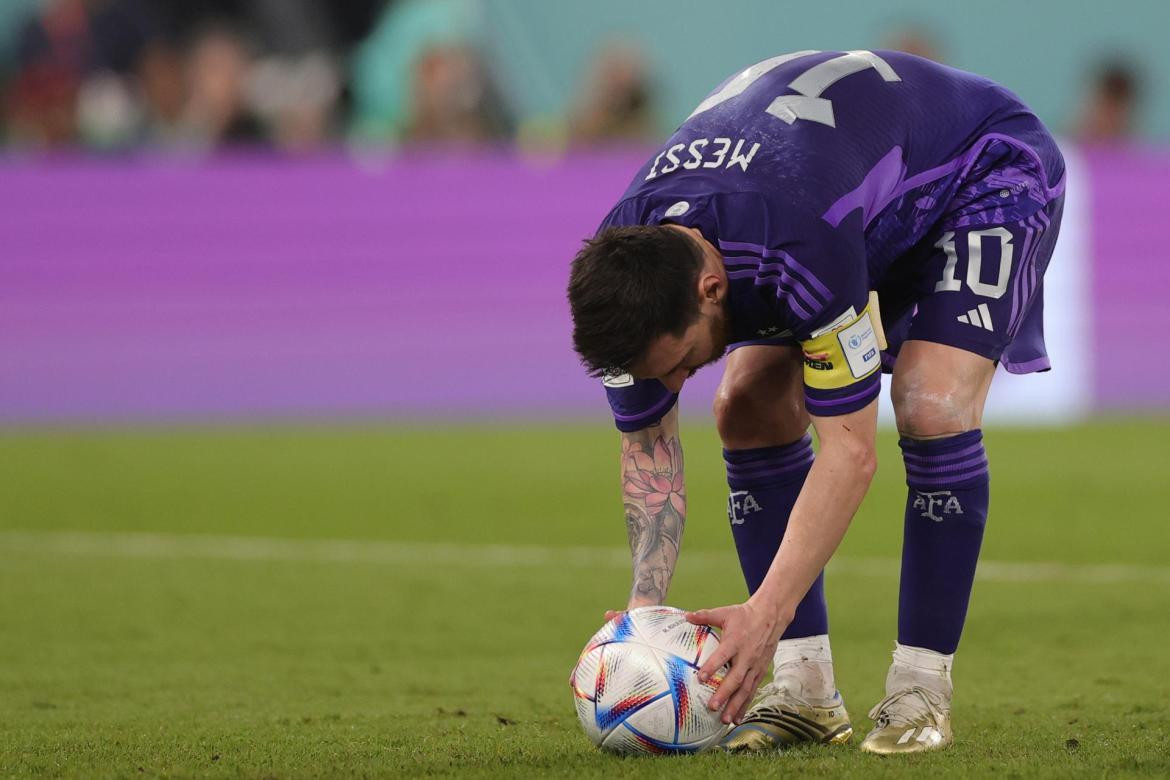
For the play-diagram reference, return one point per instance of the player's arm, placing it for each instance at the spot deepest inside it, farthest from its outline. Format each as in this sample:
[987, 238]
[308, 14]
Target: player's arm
[654, 496]
[832, 492]
[842, 381]
[836, 484]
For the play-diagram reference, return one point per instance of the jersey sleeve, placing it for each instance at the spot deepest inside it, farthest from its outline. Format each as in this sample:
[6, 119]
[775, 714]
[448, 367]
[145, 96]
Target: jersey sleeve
[637, 403]
[815, 275]
[829, 281]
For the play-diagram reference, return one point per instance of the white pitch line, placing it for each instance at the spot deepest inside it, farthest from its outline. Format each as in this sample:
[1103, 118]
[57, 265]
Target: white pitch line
[244, 548]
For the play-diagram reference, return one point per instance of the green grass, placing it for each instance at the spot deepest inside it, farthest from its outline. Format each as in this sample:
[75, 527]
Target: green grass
[421, 650]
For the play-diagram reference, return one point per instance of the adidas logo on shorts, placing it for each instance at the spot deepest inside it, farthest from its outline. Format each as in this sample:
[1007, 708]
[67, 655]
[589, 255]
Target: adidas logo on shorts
[979, 317]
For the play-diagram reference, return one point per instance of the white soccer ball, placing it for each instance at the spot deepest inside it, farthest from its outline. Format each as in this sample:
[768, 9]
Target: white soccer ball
[636, 684]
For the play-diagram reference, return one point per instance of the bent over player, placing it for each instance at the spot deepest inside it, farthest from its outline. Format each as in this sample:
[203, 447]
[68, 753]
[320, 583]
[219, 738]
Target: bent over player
[800, 196]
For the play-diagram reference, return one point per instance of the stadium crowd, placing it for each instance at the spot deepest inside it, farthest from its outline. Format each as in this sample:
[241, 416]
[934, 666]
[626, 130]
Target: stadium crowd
[295, 75]
[290, 74]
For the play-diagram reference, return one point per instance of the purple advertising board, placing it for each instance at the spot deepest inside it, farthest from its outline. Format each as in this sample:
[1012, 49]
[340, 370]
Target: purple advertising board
[411, 287]
[1129, 193]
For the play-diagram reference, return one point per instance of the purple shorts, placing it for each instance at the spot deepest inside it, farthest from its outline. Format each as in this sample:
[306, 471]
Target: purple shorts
[976, 282]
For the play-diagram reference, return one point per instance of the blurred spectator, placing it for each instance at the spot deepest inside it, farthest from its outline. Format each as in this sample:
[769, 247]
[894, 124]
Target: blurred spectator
[74, 66]
[108, 112]
[295, 85]
[53, 55]
[384, 66]
[114, 73]
[297, 97]
[1109, 111]
[216, 111]
[616, 105]
[163, 86]
[914, 39]
[454, 99]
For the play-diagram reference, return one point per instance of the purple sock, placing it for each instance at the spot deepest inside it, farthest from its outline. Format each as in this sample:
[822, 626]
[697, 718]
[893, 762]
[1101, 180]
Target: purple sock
[946, 510]
[764, 485]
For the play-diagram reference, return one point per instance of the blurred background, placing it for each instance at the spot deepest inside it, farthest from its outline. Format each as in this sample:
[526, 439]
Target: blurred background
[297, 208]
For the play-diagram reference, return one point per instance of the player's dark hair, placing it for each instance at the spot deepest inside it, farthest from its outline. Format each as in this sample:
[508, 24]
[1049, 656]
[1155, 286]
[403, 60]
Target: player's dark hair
[629, 286]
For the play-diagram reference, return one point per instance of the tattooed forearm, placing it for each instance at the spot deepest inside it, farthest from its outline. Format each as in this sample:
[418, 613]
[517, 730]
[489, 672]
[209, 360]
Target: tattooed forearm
[654, 542]
[656, 506]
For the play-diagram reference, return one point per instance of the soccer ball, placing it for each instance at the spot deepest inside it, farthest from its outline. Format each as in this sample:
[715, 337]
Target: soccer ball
[636, 684]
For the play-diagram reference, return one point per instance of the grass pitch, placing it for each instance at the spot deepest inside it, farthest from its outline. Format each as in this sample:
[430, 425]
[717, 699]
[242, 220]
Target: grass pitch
[322, 602]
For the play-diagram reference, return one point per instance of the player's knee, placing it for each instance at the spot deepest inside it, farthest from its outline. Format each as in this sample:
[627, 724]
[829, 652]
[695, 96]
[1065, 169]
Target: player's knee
[732, 410]
[926, 409]
[747, 417]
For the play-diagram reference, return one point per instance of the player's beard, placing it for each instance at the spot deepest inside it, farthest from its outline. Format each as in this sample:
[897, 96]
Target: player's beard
[719, 327]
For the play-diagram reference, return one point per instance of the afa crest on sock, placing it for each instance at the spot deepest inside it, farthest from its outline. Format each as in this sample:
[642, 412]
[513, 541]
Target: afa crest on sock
[944, 500]
[740, 504]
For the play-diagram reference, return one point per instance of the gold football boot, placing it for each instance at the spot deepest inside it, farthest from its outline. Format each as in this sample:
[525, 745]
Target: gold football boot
[912, 720]
[781, 718]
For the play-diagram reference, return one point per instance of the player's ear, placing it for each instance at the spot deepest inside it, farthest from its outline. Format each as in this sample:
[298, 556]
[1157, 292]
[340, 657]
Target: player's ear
[711, 287]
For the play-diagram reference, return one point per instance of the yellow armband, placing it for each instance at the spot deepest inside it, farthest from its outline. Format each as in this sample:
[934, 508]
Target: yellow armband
[845, 352]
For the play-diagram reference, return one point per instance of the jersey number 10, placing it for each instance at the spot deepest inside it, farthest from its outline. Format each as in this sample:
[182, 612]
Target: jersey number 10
[975, 262]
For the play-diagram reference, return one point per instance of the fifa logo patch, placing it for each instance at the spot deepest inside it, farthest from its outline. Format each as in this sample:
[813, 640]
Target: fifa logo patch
[947, 503]
[741, 503]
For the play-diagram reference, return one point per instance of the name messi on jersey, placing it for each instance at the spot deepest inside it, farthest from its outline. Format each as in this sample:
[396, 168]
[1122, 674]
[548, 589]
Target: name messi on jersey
[704, 152]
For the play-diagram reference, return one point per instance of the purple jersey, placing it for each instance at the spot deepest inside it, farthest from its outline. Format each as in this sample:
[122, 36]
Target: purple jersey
[815, 174]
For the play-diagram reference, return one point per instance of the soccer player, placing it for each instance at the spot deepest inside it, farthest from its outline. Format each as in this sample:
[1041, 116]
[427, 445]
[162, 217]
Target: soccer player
[800, 196]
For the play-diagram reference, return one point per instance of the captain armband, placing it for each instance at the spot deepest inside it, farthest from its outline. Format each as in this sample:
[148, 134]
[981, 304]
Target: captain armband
[842, 353]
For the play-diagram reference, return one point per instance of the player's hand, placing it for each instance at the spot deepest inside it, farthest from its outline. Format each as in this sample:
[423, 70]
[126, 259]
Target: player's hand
[748, 639]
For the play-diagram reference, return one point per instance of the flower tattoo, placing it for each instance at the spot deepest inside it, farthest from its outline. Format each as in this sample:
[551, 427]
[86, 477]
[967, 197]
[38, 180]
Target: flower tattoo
[654, 478]
[656, 504]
